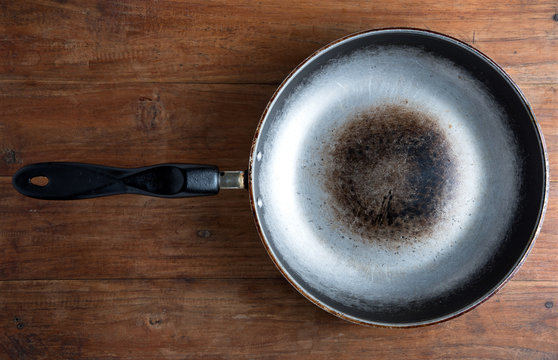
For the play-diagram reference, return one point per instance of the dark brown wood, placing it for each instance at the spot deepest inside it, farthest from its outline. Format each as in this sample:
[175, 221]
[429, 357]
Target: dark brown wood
[132, 83]
[129, 124]
[145, 123]
[239, 41]
[264, 319]
[135, 237]
[130, 237]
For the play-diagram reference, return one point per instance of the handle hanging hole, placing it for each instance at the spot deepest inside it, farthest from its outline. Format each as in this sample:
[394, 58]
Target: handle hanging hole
[39, 181]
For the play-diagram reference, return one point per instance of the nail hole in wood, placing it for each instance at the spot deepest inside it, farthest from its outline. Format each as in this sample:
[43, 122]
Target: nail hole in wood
[204, 233]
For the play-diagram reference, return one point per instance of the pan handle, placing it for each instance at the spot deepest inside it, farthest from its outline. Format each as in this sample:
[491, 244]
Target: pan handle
[68, 181]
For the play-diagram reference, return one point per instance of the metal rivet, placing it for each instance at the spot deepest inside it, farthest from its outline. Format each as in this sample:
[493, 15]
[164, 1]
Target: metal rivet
[259, 156]
[260, 203]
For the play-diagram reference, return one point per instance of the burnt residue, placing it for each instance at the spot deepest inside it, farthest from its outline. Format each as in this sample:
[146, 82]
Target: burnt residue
[389, 171]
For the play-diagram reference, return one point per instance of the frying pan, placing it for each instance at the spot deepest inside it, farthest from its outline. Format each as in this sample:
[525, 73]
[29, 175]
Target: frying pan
[397, 177]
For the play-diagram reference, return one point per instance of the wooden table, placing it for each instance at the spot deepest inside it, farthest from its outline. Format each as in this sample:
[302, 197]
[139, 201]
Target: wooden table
[131, 83]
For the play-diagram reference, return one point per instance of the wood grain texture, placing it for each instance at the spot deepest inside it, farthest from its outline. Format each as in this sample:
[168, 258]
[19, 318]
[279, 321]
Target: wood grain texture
[131, 83]
[138, 124]
[247, 42]
[135, 237]
[130, 124]
[264, 319]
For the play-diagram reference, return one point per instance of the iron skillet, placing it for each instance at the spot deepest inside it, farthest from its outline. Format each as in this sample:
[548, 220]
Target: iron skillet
[397, 177]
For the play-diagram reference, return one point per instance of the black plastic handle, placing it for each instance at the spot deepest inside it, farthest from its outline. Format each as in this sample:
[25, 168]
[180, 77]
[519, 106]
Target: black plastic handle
[68, 181]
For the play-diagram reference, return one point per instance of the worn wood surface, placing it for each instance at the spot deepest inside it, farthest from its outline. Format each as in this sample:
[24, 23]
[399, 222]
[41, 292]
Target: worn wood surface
[130, 83]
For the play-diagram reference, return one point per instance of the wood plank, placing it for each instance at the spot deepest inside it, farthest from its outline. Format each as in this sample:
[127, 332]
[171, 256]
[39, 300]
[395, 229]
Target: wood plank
[129, 124]
[139, 237]
[544, 102]
[541, 263]
[246, 42]
[140, 124]
[130, 237]
[266, 319]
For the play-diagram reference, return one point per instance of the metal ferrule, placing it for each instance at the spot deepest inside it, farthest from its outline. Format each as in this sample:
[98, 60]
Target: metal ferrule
[232, 180]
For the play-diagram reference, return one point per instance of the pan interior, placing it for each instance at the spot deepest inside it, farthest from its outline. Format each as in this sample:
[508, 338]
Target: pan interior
[385, 179]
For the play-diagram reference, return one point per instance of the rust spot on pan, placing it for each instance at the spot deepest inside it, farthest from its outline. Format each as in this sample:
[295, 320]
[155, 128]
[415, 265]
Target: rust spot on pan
[389, 171]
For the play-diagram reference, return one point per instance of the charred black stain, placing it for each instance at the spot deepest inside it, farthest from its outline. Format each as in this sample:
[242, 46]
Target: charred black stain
[390, 170]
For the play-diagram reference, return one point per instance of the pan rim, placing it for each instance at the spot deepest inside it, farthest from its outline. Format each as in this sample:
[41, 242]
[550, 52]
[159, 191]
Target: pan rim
[540, 216]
